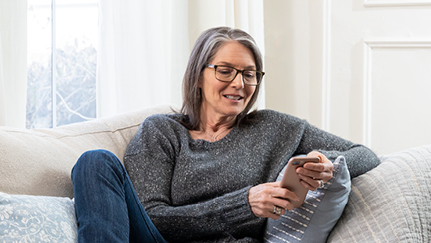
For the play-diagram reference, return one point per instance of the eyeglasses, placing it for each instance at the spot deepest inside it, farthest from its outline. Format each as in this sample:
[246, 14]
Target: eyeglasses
[228, 74]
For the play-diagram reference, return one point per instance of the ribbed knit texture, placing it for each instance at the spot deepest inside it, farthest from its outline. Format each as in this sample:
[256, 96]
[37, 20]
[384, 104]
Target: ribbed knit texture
[197, 191]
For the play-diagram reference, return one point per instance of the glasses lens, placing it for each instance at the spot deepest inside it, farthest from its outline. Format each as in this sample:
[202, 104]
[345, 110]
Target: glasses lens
[250, 77]
[225, 73]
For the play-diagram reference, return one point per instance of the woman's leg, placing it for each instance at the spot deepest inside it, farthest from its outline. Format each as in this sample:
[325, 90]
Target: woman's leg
[107, 207]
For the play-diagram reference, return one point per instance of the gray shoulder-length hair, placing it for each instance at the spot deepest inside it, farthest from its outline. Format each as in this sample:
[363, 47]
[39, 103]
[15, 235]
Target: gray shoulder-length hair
[203, 52]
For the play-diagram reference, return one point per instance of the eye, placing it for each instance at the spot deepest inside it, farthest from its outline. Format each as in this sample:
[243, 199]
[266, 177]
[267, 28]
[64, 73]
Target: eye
[225, 70]
[249, 74]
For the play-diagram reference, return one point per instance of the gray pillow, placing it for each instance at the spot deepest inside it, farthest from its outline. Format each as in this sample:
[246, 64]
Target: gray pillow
[314, 220]
[26, 218]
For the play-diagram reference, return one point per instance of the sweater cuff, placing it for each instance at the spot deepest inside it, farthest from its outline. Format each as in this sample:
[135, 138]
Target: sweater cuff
[237, 212]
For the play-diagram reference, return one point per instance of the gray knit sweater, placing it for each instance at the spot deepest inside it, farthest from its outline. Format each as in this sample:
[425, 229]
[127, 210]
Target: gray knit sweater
[197, 191]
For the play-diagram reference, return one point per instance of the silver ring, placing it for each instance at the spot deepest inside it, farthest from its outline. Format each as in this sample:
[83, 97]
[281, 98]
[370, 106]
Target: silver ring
[276, 210]
[321, 184]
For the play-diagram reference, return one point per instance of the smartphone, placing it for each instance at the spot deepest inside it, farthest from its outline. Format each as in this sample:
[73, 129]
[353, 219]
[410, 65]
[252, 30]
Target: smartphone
[291, 180]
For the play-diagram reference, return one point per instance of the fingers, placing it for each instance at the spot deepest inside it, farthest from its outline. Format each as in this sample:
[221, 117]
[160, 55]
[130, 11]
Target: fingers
[283, 193]
[310, 183]
[315, 169]
[312, 173]
[265, 199]
[274, 213]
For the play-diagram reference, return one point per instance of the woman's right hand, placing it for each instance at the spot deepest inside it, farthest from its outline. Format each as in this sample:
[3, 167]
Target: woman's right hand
[264, 198]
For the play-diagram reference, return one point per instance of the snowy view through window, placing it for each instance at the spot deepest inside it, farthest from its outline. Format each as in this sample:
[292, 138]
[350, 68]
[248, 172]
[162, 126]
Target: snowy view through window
[63, 37]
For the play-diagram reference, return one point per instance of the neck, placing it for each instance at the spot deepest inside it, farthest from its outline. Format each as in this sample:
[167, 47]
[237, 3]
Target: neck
[214, 122]
[215, 129]
[215, 125]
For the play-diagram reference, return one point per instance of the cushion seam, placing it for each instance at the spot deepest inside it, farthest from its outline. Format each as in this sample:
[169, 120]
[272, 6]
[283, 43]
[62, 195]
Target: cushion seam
[73, 135]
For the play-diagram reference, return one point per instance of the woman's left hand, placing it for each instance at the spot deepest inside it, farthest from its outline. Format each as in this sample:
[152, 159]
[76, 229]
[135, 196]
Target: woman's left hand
[313, 174]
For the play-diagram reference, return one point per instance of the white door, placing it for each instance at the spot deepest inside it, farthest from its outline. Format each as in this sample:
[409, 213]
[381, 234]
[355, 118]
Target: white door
[380, 72]
[360, 69]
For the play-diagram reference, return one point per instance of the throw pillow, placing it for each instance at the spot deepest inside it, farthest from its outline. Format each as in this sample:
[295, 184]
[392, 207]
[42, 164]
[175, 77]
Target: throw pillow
[26, 218]
[314, 220]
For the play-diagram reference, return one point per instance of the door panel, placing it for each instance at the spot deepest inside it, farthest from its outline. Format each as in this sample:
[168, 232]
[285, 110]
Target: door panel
[380, 73]
[398, 85]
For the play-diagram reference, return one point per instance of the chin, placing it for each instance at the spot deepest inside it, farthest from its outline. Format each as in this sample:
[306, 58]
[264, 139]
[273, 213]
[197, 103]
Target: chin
[232, 111]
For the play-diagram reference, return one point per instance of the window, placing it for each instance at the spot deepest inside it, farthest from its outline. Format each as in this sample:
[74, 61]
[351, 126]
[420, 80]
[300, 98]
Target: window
[62, 55]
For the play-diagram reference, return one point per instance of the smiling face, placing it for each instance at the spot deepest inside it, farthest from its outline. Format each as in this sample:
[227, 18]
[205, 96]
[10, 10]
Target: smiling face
[225, 100]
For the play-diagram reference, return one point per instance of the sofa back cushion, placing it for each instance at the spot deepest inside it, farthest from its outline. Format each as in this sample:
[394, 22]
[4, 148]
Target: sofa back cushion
[39, 161]
[391, 203]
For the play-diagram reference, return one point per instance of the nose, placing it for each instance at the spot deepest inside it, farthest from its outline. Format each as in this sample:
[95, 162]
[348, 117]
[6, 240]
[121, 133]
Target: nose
[238, 81]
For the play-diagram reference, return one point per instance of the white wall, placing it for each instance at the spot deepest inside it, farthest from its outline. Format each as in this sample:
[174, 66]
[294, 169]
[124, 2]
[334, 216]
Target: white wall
[294, 58]
[360, 69]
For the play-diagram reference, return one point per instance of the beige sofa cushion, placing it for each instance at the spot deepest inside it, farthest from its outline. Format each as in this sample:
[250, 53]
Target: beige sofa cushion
[39, 162]
[391, 203]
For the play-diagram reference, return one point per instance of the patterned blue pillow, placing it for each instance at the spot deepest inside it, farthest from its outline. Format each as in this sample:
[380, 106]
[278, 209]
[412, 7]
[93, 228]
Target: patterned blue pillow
[314, 220]
[26, 218]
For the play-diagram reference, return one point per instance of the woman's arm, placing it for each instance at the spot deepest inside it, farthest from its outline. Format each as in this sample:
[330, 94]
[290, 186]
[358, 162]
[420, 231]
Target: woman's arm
[315, 143]
[359, 158]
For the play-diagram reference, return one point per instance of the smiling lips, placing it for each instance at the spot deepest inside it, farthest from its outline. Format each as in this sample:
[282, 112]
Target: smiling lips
[233, 97]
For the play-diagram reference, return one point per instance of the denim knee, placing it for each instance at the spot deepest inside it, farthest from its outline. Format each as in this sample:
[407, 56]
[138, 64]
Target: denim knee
[94, 161]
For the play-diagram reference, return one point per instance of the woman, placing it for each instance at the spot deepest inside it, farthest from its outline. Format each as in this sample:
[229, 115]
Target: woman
[204, 174]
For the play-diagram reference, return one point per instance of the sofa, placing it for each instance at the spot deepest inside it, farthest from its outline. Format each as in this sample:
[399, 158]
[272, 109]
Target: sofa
[391, 203]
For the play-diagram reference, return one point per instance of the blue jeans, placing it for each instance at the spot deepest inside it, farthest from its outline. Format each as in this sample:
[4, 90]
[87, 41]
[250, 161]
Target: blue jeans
[107, 206]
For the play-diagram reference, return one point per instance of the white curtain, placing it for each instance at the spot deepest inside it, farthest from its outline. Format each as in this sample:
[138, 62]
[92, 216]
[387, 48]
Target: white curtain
[144, 46]
[13, 63]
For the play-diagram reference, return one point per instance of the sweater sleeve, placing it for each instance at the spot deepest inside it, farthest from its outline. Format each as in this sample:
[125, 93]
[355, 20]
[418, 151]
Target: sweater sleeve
[359, 158]
[150, 162]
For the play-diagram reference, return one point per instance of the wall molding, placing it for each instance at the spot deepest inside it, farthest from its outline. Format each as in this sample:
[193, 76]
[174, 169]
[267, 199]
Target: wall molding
[398, 43]
[396, 3]
[369, 45]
